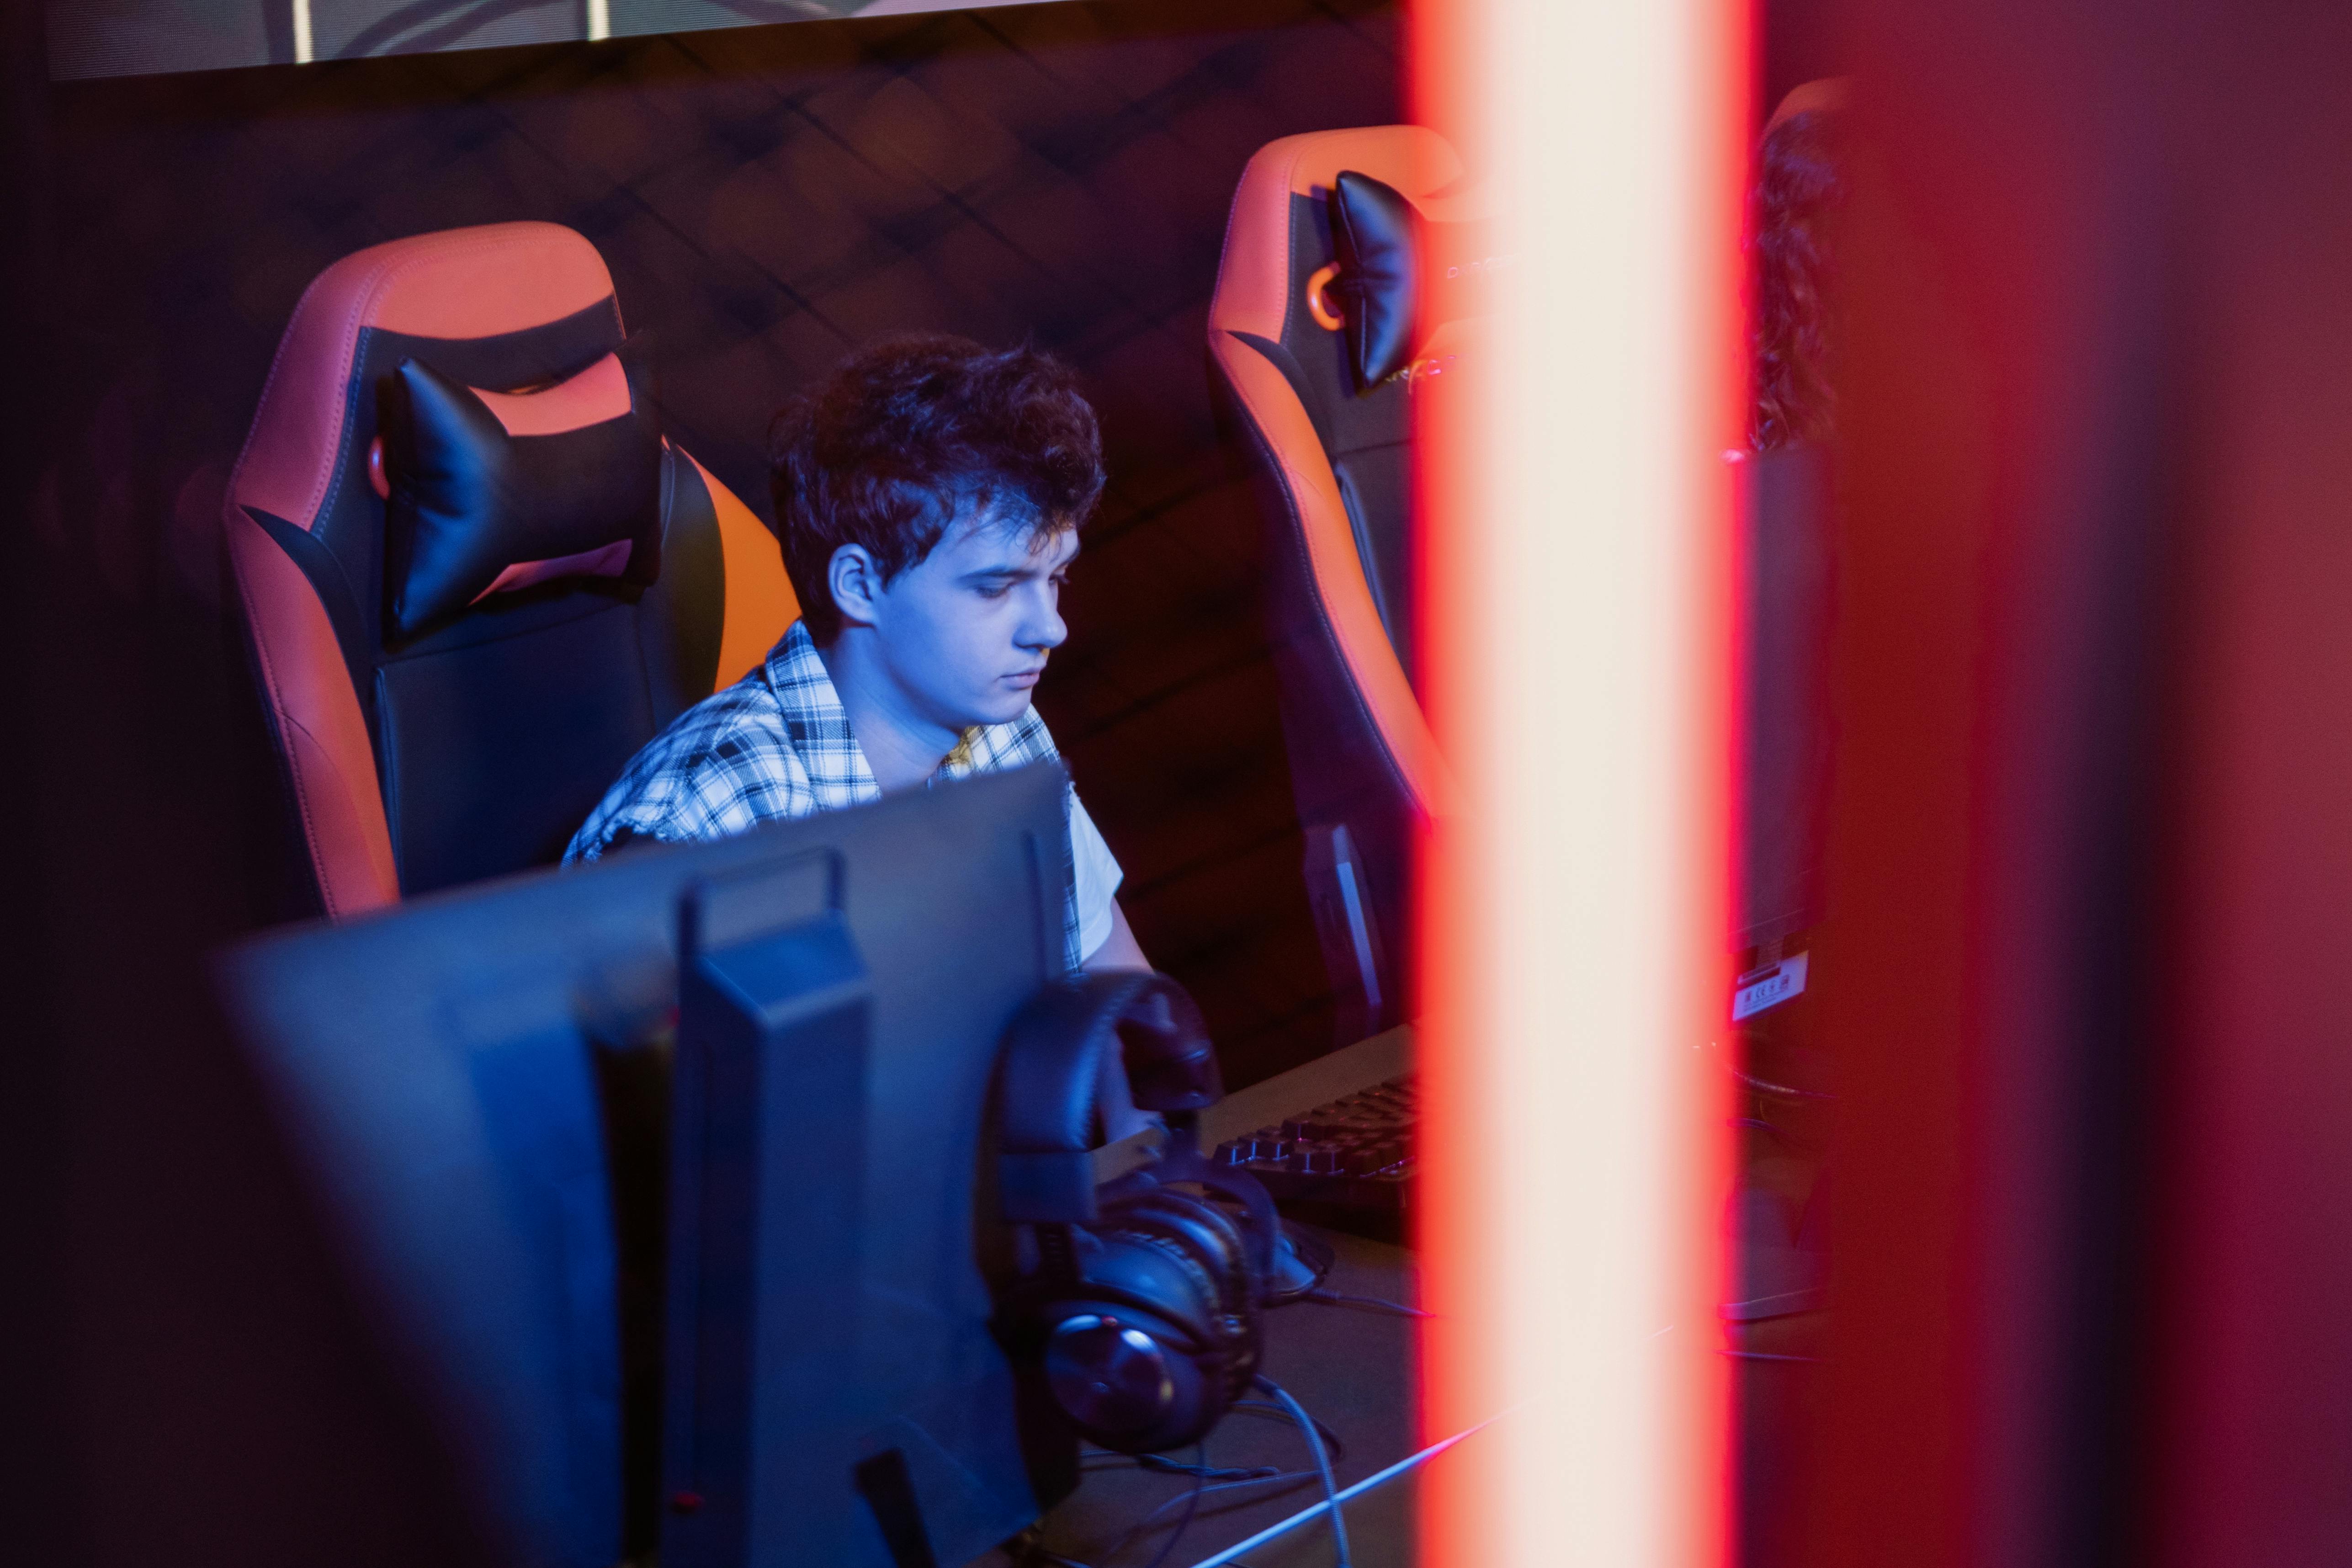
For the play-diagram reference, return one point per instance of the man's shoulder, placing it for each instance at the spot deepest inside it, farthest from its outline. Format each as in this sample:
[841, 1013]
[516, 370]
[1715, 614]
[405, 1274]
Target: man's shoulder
[723, 765]
[746, 717]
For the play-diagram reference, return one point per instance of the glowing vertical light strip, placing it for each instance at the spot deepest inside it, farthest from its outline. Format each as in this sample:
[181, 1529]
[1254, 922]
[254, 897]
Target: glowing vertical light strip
[301, 32]
[1577, 566]
[600, 20]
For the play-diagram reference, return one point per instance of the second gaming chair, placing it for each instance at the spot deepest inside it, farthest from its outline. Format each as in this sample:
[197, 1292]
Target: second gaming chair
[476, 577]
[1348, 281]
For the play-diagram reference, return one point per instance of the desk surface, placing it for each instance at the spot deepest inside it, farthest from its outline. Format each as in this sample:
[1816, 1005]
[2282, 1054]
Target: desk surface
[1353, 1370]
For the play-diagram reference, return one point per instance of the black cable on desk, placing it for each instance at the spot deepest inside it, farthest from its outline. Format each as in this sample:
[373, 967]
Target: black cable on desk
[1259, 1406]
[1208, 1472]
[1036, 1554]
[1278, 1478]
[1191, 1506]
[1364, 1303]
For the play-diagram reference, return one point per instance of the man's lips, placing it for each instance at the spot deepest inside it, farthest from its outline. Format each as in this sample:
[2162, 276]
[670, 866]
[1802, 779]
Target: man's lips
[1026, 677]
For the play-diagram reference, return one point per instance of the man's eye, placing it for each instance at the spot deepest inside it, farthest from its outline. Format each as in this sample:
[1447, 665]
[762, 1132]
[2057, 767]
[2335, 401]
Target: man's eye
[994, 590]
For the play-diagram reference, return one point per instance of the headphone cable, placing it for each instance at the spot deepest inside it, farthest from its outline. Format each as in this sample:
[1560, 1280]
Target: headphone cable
[1307, 1424]
[1192, 1505]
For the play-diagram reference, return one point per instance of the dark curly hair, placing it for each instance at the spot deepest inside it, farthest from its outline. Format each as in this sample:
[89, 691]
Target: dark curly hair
[913, 432]
[1801, 188]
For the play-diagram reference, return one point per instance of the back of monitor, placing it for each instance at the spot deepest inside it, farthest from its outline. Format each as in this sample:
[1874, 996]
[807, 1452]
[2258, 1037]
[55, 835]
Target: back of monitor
[435, 1069]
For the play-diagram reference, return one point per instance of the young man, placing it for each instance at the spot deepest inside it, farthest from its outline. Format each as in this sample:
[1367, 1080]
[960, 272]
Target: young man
[928, 498]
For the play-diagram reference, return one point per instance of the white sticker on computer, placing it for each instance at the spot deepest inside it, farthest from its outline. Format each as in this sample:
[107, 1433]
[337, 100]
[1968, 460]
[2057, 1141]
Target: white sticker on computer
[1762, 988]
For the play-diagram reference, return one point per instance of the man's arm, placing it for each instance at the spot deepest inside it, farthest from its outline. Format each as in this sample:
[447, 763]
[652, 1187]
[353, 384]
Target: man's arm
[1120, 950]
[1113, 1100]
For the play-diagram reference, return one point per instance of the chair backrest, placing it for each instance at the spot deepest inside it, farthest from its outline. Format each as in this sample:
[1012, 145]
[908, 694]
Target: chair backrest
[1320, 334]
[431, 746]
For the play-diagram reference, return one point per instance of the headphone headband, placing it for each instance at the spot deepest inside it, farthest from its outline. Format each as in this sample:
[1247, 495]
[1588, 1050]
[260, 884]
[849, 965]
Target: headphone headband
[1052, 1062]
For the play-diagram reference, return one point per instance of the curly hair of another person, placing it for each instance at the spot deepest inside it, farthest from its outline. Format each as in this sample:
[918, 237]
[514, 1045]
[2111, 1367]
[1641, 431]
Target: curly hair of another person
[1801, 190]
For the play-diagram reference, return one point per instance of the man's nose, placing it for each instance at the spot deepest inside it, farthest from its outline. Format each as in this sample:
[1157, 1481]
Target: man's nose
[1043, 626]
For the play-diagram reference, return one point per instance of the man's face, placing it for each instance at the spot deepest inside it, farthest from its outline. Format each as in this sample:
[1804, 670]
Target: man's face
[965, 631]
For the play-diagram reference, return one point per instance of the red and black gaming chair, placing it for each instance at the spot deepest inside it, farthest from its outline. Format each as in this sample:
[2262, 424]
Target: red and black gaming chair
[476, 577]
[1350, 274]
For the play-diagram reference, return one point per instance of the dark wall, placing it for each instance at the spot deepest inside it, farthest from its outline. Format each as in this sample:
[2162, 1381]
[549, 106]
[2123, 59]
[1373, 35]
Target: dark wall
[1796, 42]
[766, 197]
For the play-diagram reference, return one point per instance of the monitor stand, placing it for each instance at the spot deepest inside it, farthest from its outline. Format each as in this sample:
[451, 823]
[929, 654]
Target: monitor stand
[767, 1156]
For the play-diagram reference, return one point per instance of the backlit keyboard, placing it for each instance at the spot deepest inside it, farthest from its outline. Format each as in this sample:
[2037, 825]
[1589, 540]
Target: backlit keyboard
[1356, 1151]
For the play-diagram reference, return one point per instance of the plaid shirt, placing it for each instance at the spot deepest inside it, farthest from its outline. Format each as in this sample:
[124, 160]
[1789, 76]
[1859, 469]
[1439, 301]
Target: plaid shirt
[777, 743]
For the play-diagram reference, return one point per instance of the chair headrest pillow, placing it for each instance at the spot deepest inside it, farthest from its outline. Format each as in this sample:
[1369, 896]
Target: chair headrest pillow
[1403, 275]
[491, 492]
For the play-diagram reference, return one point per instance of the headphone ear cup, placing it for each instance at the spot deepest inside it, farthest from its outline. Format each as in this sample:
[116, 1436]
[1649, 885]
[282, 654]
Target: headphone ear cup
[1224, 1328]
[1124, 1325]
[1155, 1330]
[1210, 1231]
[1129, 1381]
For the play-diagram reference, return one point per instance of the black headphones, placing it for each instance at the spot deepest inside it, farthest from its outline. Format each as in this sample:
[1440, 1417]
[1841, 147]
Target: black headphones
[1141, 1310]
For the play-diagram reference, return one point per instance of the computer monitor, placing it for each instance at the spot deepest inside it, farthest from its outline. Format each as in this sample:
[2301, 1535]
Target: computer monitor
[436, 1066]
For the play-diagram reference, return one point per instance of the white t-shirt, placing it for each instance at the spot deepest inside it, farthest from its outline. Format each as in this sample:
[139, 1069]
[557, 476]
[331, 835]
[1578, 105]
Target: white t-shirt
[1095, 876]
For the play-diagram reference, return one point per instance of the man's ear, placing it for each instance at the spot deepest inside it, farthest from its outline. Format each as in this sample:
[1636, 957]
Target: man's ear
[856, 579]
